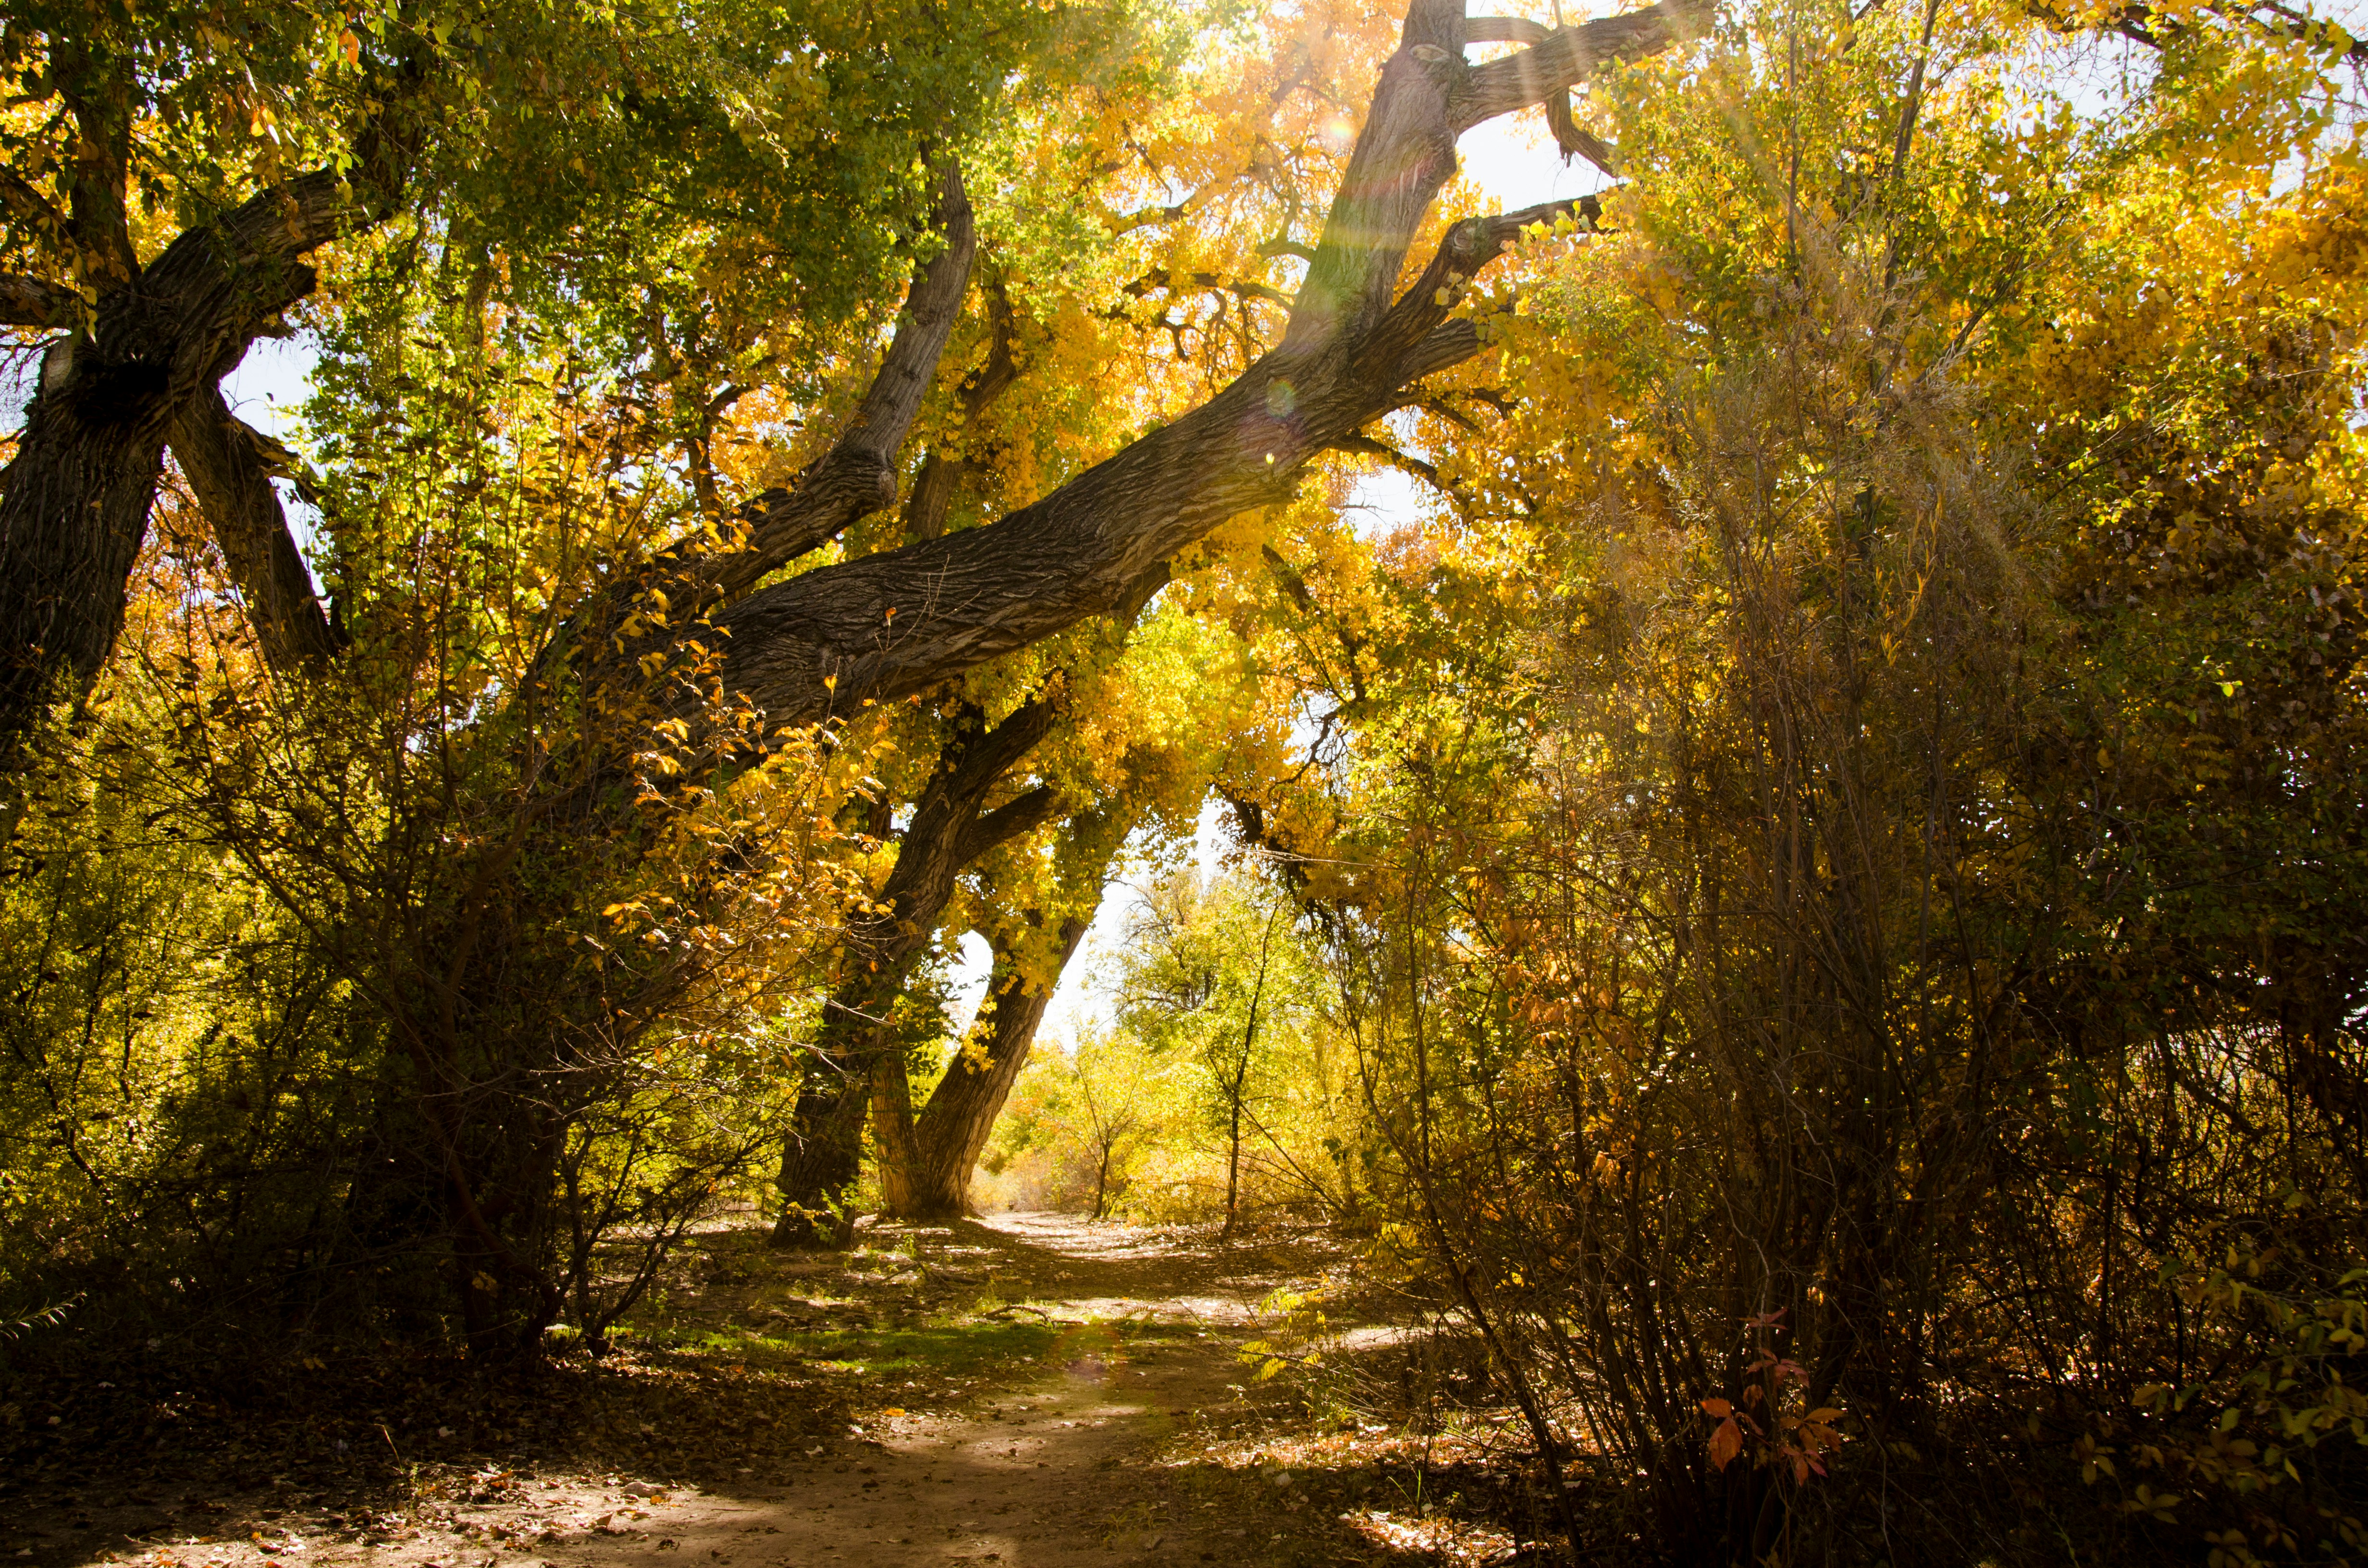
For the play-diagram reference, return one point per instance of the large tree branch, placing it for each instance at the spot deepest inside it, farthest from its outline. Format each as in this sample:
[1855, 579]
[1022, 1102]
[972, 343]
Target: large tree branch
[74, 507]
[954, 1125]
[223, 460]
[1021, 815]
[75, 497]
[938, 842]
[1405, 153]
[1505, 29]
[1566, 56]
[37, 301]
[858, 475]
[1407, 340]
[1574, 141]
[204, 300]
[941, 471]
[821, 1153]
[895, 623]
[890, 624]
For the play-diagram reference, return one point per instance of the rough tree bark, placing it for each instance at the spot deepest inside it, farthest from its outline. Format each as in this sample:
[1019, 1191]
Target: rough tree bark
[225, 462]
[951, 1132]
[891, 624]
[823, 1154]
[153, 345]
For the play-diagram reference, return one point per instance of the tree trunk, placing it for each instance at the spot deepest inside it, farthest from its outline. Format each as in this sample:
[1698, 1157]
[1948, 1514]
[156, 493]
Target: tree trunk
[954, 1126]
[894, 1146]
[223, 460]
[74, 502]
[1232, 1168]
[824, 1153]
[71, 520]
[1239, 1084]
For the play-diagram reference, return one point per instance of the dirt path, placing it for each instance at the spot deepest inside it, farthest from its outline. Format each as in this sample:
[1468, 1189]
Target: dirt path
[1126, 1428]
[1057, 1470]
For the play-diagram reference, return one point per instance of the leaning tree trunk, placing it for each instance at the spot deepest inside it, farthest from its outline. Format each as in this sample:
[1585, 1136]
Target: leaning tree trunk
[148, 355]
[824, 1153]
[953, 1126]
[229, 470]
[72, 521]
[892, 624]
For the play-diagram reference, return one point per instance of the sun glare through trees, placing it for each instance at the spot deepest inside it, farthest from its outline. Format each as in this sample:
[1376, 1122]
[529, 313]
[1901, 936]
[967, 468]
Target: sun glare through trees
[1706, 770]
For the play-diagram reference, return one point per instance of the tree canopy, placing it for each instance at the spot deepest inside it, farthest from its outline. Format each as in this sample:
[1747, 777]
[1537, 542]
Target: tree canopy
[1808, 896]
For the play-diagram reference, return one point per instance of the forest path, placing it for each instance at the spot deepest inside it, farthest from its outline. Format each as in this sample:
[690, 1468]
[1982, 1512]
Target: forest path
[1078, 1396]
[1057, 1469]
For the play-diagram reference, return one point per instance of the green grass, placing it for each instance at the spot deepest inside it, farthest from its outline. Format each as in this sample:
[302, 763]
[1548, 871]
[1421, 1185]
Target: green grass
[952, 1349]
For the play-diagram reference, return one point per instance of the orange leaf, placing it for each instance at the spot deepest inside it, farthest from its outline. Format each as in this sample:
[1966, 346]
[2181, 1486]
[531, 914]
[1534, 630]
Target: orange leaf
[1725, 1443]
[1718, 1408]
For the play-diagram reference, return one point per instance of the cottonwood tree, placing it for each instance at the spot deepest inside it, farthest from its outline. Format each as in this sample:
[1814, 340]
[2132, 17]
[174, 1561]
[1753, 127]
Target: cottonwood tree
[886, 626]
[700, 643]
[821, 644]
[159, 337]
[950, 829]
[891, 624]
[171, 171]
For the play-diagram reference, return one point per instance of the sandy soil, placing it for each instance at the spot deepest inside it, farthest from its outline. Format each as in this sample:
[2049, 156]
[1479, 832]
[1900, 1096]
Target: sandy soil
[1142, 1436]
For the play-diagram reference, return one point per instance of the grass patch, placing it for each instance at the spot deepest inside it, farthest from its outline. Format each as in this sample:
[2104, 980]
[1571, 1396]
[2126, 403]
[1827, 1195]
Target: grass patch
[954, 1349]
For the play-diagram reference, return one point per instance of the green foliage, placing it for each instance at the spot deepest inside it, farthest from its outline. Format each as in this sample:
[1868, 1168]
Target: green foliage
[1221, 1091]
[1856, 801]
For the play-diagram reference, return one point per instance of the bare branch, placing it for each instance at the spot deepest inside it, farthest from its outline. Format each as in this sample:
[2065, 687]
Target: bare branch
[1403, 461]
[1160, 278]
[28, 206]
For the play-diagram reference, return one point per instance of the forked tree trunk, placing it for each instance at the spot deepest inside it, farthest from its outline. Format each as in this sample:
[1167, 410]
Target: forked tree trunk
[823, 1154]
[952, 1133]
[74, 501]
